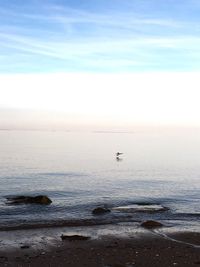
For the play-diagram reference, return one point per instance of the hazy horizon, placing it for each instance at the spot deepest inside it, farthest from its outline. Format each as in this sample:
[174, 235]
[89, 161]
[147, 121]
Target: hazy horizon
[103, 64]
[16, 119]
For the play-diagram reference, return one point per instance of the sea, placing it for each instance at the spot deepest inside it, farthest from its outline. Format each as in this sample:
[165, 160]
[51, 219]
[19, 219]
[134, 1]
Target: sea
[157, 177]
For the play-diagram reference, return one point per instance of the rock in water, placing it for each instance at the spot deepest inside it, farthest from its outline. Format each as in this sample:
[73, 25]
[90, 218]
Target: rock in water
[99, 211]
[43, 200]
[151, 224]
[74, 237]
[25, 247]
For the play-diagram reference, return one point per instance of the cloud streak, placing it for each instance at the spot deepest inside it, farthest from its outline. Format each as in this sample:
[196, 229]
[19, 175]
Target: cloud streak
[65, 38]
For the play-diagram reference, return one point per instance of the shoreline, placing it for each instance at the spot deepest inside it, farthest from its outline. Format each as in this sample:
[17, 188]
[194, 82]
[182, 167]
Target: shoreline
[108, 246]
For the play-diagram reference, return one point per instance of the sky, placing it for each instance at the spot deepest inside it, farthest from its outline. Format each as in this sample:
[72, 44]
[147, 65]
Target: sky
[99, 62]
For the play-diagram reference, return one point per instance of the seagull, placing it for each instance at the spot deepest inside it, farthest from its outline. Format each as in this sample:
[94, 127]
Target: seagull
[118, 154]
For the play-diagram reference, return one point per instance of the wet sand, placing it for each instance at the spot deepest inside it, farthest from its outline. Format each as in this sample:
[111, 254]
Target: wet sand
[138, 248]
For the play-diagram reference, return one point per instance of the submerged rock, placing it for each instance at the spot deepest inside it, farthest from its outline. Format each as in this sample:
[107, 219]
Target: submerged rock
[100, 210]
[43, 200]
[153, 209]
[74, 237]
[151, 224]
[142, 208]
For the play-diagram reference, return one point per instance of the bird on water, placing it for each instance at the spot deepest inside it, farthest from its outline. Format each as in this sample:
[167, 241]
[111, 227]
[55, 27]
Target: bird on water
[118, 154]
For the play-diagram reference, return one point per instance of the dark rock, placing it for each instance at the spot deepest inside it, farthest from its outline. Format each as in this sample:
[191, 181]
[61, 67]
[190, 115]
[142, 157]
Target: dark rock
[99, 211]
[143, 203]
[151, 224]
[43, 200]
[25, 247]
[74, 237]
[4, 258]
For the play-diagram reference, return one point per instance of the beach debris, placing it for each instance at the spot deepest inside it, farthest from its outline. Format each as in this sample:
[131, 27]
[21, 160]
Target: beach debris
[100, 211]
[25, 247]
[74, 237]
[151, 224]
[41, 199]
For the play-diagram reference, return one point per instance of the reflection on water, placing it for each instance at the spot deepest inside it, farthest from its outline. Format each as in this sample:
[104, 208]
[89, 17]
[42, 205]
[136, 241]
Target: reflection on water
[119, 159]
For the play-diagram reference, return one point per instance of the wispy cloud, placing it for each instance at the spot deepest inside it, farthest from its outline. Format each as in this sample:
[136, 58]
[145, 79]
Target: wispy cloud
[62, 37]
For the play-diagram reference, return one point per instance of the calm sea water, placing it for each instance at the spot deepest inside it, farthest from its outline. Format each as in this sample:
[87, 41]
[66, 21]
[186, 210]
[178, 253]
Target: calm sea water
[79, 172]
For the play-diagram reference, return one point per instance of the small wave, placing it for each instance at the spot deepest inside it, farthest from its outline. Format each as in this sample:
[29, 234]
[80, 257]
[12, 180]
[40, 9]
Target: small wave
[65, 223]
[146, 208]
[175, 239]
[189, 215]
[67, 174]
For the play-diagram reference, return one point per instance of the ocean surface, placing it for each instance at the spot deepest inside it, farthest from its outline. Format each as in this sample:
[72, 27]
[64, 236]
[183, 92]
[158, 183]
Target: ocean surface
[79, 172]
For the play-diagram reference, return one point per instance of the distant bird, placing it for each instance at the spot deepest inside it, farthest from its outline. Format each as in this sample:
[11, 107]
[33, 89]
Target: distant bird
[118, 154]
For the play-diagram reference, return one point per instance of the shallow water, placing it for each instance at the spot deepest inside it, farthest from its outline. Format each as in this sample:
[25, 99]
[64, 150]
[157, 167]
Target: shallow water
[79, 172]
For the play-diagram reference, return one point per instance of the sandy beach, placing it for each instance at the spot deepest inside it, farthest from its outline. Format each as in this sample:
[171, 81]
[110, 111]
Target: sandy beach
[141, 247]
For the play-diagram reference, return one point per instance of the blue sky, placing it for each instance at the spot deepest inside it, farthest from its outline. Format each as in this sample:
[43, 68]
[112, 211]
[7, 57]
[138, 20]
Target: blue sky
[99, 36]
[99, 62]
